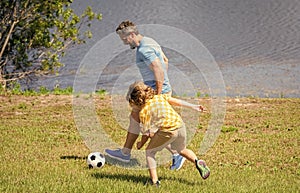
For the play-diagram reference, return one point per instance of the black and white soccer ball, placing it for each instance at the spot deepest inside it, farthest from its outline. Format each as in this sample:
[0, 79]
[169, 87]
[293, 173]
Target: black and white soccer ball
[95, 160]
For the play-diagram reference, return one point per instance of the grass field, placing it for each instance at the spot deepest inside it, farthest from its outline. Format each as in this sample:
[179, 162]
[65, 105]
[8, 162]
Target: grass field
[41, 150]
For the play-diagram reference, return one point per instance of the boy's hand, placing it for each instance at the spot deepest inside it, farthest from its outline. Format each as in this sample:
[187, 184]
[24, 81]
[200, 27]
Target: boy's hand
[144, 139]
[202, 109]
[199, 108]
[139, 145]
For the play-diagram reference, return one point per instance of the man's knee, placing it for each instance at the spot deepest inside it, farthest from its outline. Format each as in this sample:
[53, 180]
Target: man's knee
[134, 126]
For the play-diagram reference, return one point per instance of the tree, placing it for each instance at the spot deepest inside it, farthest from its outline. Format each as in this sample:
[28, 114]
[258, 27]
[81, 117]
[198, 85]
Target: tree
[35, 34]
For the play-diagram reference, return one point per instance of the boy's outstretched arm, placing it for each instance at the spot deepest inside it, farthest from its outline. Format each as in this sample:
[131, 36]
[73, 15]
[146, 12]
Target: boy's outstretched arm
[178, 102]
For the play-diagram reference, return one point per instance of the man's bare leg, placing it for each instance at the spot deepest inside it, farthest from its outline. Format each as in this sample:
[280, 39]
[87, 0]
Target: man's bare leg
[130, 140]
[133, 132]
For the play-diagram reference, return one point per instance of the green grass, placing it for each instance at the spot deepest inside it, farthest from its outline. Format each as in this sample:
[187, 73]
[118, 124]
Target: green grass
[42, 151]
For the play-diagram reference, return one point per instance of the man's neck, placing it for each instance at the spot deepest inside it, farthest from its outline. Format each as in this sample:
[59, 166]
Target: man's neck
[139, 38]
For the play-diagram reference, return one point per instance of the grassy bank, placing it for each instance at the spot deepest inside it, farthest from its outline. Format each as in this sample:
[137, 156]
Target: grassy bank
[42, 151]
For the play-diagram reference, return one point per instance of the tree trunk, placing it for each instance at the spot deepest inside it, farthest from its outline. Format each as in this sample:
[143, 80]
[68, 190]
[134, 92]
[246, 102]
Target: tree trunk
[3, 63]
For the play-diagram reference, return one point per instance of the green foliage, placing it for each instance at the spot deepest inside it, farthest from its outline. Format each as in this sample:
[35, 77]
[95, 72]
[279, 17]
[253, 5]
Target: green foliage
[60, 91]
[101, 92]
[35, 34]
[16, 90]
[43, 90]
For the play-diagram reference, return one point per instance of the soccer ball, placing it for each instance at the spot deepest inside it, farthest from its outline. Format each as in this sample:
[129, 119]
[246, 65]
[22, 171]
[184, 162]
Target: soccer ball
[95, 160]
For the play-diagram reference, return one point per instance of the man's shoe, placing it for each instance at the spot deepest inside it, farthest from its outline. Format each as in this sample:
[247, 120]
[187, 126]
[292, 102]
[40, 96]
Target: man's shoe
[202, 168]
[118, 155]
[177, 162]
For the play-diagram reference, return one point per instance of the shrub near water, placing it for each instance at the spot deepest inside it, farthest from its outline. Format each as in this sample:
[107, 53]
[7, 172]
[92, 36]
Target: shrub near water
[42, 151]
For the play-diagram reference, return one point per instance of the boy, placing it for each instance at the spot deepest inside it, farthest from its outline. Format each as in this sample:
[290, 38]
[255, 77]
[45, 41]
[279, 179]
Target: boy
[163, 125]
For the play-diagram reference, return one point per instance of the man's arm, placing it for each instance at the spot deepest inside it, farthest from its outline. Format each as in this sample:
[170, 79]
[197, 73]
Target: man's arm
[166, 60]
[157, 69]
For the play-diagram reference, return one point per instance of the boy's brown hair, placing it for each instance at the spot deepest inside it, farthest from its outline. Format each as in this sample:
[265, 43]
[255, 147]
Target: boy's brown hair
[139, 94]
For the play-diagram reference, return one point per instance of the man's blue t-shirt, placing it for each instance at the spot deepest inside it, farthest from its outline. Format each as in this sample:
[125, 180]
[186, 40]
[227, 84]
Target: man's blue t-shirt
[146, 53]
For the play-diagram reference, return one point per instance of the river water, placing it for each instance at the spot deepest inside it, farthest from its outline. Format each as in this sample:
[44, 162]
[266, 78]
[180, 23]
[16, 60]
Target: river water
[256, 43]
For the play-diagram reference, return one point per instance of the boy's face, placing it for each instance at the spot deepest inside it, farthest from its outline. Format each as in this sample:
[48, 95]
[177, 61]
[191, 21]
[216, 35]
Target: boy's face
[134, 106]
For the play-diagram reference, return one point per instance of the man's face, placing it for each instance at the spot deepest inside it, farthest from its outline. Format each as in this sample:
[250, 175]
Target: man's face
[128, 40]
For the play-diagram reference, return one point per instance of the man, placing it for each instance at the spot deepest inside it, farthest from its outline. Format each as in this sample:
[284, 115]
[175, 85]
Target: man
[153, 66]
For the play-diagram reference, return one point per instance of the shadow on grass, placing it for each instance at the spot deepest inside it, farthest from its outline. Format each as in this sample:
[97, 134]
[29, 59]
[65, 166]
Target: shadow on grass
[128, 177]
[123, 177]
[131, 164]
[139, 179]
[74, 157]
[108, 160]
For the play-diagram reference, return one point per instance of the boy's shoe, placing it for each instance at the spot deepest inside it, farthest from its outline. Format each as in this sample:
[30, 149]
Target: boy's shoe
[118, 155]
[202, 168]
[177, 162]
[156, 184]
